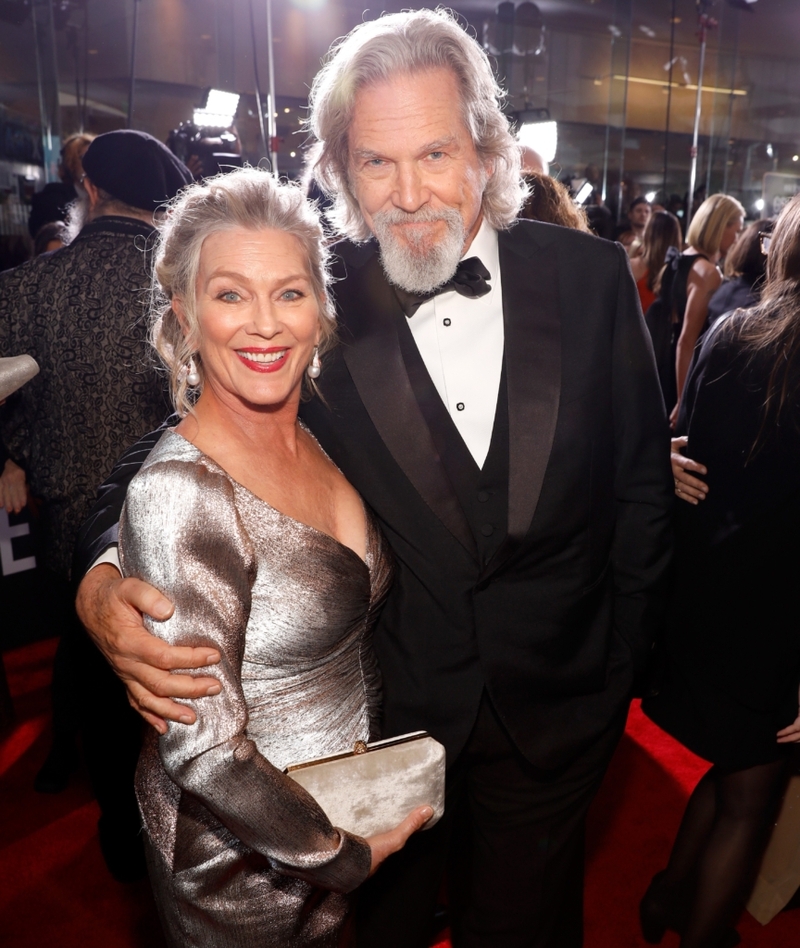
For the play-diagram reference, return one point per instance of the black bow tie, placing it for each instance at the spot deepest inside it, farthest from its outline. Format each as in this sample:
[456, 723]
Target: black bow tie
[471, 279]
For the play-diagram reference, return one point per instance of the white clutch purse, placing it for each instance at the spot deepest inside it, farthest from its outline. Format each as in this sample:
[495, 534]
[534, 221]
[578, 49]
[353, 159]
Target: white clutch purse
[15, 371]
[373, 788]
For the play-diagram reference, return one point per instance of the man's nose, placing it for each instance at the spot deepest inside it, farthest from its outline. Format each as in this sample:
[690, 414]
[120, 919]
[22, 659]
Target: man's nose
[411, 191]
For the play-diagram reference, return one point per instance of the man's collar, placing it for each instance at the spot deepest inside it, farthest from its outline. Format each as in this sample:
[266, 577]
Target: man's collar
[116, 224]
[484, 246]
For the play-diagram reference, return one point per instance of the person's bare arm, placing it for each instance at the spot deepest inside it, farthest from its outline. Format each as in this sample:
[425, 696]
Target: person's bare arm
[687, 487]
[703, 282]
[111, 609]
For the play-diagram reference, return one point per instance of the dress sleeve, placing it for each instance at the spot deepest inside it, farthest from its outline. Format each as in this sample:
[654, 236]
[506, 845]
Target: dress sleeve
[181, 532]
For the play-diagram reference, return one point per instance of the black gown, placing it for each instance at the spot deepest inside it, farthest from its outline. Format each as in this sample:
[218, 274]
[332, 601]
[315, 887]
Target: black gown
[732, 647]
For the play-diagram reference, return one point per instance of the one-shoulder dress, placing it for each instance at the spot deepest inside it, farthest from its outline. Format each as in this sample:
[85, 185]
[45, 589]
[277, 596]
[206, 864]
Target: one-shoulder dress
[239, 854]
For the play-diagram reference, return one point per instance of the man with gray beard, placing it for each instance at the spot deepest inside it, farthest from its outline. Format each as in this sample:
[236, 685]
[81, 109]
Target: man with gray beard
[494, 398]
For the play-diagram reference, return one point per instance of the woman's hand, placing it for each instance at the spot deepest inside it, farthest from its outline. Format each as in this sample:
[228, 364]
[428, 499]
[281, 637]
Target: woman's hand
[688, 488]
[13, 489]
[384, 844]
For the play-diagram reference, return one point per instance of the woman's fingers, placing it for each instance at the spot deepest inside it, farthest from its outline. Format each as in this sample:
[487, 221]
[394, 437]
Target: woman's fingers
[384, 844]
[791, 734]
[687, 487]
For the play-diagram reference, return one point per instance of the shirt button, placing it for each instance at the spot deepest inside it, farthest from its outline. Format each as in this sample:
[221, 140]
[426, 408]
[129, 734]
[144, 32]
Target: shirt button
[447, 321]
[460, 406]
[482, 496]
[487, 529]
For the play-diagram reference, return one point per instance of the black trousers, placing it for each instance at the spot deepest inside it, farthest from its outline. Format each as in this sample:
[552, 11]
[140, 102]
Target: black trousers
[511, 843]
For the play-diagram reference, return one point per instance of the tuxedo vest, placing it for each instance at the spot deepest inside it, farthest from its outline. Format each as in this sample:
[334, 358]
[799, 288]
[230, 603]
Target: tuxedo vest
[481, 492]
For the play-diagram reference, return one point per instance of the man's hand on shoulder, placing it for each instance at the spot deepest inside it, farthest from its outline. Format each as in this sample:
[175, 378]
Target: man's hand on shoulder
[111, 610]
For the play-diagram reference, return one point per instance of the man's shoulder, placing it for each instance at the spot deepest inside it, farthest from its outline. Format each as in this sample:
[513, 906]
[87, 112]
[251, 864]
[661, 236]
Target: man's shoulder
[524, 232]
[25, 272]
[347, 254]
[579, 251]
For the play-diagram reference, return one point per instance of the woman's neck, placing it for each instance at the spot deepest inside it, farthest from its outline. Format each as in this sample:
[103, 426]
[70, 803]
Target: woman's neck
[221, 426]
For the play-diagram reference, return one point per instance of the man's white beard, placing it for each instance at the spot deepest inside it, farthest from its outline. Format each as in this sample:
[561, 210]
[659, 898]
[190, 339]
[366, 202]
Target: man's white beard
[410, 262]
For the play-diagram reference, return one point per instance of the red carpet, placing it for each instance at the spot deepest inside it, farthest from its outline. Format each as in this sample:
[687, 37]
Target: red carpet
[55, 890]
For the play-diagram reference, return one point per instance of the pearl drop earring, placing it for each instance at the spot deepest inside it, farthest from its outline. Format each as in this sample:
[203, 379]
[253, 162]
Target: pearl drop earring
[316, 366]
[192, 375]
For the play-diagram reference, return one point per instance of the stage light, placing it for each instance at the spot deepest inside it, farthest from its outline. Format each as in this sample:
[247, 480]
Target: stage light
[219, 110]
[542, 137]
[651, 196]
[795, 157]
[760, 204]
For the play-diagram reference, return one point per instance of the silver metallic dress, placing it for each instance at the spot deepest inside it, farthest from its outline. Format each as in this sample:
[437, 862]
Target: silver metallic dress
[239, 854]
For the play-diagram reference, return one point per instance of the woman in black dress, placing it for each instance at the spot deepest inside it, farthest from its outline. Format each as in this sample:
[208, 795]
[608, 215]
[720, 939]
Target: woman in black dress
[732, 650]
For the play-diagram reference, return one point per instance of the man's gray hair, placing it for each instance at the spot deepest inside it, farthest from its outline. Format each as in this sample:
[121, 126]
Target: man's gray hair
[406, 43]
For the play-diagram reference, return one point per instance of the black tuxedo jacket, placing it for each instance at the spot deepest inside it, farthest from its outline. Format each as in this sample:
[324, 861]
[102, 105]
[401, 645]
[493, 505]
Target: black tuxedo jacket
[556, 622]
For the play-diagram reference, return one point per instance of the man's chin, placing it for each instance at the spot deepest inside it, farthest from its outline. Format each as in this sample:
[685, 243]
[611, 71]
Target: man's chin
[418, 240]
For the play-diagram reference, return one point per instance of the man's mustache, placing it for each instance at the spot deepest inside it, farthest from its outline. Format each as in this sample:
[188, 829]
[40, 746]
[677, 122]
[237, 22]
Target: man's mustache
[425, 215]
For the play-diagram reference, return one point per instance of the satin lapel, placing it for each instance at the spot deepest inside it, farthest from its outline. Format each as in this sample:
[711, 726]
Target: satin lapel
[532, 320]
[376, 365]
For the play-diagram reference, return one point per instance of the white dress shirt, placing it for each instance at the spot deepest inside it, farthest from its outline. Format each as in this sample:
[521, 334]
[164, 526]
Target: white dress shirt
[461, 343]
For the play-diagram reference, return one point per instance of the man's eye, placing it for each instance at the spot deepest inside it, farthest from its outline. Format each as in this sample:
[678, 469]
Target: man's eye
[375, 162]
[229, 296]
[436, 155]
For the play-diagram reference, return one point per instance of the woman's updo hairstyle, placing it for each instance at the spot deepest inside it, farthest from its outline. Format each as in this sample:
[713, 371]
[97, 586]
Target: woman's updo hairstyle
[249, 198]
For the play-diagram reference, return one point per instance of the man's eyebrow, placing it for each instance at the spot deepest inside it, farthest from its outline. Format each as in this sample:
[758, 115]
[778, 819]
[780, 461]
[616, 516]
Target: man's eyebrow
[365, 153]
[438, 145]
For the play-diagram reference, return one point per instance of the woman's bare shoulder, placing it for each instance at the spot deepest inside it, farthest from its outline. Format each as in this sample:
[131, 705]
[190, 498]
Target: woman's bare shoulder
[705, 274]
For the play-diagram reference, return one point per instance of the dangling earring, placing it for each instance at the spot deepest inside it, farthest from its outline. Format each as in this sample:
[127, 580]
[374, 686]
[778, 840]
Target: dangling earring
[192, 375]
[316, 366]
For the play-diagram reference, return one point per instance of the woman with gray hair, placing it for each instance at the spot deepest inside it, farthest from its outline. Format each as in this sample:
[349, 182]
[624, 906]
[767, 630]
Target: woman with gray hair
[271, 558]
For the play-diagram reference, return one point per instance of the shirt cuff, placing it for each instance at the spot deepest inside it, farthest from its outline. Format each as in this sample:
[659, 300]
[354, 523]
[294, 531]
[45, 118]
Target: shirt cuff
[111, 556]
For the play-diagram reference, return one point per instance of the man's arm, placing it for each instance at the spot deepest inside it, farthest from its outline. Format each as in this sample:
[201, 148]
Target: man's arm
[111, 610]
[99, 531]
[643, 484]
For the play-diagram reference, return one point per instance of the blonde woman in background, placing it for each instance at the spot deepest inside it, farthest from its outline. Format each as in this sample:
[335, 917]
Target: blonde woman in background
[712, 232]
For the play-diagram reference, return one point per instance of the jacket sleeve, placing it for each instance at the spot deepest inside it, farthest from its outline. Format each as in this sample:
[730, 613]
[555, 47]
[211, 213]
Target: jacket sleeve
[15, 340]
[99, 530]
[642, 477]
[181, 532]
